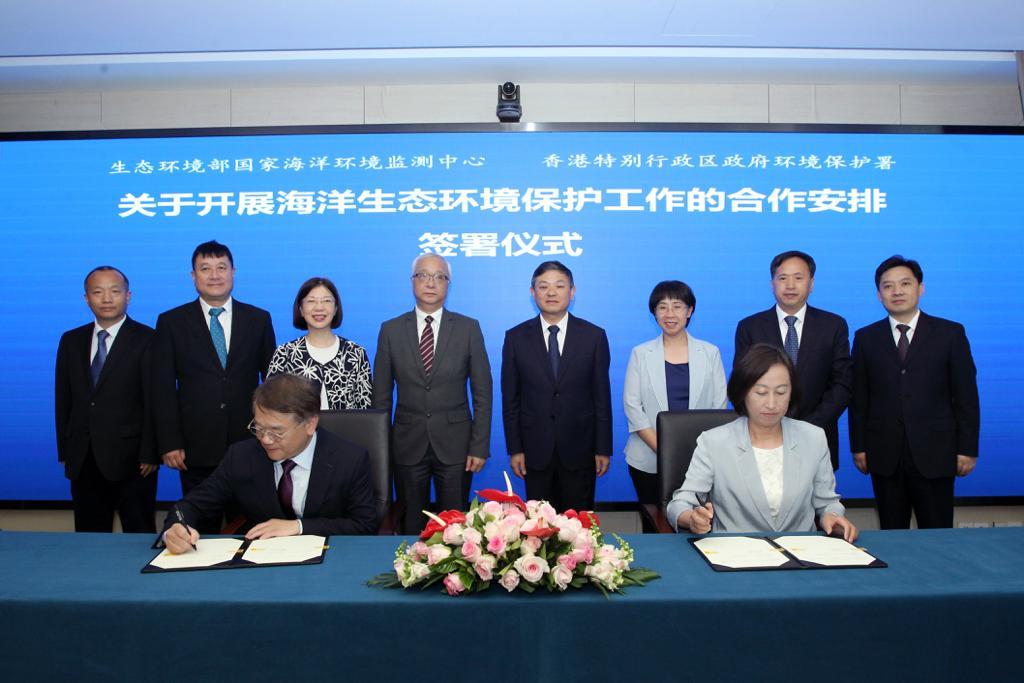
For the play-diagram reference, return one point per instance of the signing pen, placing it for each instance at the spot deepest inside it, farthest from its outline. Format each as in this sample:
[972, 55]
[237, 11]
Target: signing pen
[181, 519]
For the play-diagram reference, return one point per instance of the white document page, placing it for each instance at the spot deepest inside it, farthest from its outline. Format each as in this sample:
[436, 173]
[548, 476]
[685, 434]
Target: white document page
[284, 549]
[740, 552]
[209, 551]
[825, 550]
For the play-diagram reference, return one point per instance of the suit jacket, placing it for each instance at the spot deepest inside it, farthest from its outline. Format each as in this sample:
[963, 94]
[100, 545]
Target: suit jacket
[932, 398]
[724, 465]
[571, 412]
[114, 419]
[823, 365]
[201, 406]
[339, 499]
[644, 394]
[435, 409]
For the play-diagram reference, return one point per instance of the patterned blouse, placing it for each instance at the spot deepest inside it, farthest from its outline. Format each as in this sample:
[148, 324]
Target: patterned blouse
[346, 377]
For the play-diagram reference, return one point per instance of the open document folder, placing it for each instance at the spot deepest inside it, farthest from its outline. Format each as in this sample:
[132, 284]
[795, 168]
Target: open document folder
[739, 553]
[233, 553]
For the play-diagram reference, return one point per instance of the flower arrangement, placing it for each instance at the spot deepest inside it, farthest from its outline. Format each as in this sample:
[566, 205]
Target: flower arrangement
[519, 545]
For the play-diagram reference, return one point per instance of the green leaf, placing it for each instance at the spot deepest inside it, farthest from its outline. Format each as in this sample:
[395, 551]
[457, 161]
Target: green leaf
[385, 580]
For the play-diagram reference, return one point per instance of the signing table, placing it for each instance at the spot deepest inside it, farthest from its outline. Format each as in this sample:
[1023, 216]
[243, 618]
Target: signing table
[950, 607]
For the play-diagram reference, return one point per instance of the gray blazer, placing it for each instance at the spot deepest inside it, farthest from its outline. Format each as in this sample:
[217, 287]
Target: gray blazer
[435, 408]
[723, 464]
[644, 394]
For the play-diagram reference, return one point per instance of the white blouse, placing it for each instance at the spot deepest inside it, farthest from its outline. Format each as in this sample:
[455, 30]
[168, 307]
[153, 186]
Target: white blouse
[769, 465]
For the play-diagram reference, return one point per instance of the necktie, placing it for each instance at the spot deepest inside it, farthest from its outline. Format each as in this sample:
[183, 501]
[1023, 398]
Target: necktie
[427, 345]
[903, 345]
[101, 356]
[217, 332]
[792, 344]
[284, 489]
[553, 348]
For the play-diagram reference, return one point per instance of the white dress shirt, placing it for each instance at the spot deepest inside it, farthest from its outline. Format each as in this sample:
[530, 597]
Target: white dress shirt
[769, 465]
[300, 478]
[562, 325]
[224, 318]
[112, 331]
[893, 322]
[799, 324]
[421, 322]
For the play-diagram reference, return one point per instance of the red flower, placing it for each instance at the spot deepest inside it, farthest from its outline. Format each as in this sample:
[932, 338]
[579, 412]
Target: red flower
[587, 518]
[502, 497]
[433, 526]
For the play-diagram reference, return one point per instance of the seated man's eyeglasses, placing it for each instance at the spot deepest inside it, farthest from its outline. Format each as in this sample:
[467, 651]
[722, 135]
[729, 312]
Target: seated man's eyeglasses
[432, 277]
[261, 433]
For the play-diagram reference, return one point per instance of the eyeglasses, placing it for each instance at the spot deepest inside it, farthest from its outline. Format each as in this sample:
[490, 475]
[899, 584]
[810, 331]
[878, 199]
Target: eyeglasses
[326, 301]
[431, 277]
[261, 433]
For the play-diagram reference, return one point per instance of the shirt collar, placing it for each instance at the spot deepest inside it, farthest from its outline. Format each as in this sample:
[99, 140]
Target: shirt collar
[893, 322]
[207, 307]
[561, 324]
[421, 317]
[112, 330]
[799, 314]
[305, 458]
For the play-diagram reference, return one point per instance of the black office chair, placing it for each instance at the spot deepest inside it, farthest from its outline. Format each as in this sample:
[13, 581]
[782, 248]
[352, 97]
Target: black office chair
[370, 429]
[677, 439]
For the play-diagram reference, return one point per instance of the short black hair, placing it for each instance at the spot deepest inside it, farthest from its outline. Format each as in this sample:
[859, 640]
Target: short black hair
[751, 367]
[100, 269]
[895, 261]
[672, 289]
[212, 248]
[289, 394]
[786, 255]
[300, 322]
[552, 265]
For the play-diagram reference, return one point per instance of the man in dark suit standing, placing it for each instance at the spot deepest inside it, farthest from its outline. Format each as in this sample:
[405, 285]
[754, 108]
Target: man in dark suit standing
[818, 343]
[556, 397]
[209, 356]
[293, 479]
[915, 416]
[428, 354]
[104, 427]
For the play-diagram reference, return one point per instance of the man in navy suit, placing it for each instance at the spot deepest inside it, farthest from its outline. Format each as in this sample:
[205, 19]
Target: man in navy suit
[293, 479]
[103, 416]
[915, 416]
[209, 356]
[556, 397]
[816, 341]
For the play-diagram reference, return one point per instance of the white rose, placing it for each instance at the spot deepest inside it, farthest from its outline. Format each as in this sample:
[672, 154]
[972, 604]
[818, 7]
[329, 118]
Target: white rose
[531, 567]
[438, 552]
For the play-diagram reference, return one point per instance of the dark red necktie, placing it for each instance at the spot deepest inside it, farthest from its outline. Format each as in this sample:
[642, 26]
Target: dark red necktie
[284, 489]
[427, 345]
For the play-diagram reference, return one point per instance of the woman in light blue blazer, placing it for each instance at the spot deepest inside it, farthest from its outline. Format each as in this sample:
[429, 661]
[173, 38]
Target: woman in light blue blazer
[763, 472]
[676, 371]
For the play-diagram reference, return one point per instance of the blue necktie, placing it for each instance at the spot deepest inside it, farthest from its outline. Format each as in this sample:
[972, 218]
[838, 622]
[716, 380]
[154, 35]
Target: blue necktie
[217, 332]
[101, 356]
[792, 344]
[553, 348]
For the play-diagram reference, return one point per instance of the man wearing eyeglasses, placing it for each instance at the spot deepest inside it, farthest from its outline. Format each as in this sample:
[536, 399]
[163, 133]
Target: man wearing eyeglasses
[293, 479]
[428, 354]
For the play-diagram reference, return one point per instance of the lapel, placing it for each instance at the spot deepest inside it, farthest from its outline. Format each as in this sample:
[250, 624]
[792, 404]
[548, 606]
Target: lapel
[656, 372]
[202, 333]
[411, 341]
[444, 334]
[573, 331]
[698, 368]
[747, 466]
[83, 346]
[790, 470]
[808, 336]
[885, 340]
[320, 476]
[920, 338]
[261, 469]
[238, 324]
[535, 337]
[118, 350]
[770, 331]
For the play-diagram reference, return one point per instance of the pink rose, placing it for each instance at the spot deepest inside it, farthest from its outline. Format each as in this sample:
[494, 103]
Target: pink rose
[497, 545]
[584, 555]
[453, 583]
[547, 512]
[510, 528]
[510, 580]
[567, 561]
[530, 545]
[438, 552]
[452, 534]
[568, 529]
[484, 567]
[562, 576]
[472, 535]
[492, 529]
[492, 508]
[531, 567]
[419, 548]
[471, 551]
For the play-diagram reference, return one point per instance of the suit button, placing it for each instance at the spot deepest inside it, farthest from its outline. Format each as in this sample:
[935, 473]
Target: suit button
[903, 371]
[552, 417]
[223, 406]
[556, 394]
[428, 414]
[92, 403]
[428, 387]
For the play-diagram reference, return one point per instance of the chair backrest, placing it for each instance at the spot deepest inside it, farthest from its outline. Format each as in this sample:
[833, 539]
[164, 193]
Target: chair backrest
[677, 438]
[371, 430]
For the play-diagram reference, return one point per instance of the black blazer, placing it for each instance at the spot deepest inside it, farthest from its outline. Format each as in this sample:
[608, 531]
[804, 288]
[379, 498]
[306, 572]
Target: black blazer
[823, 365]
[199, 405]
[571, 412]
[932, 397]
[113, 419]
[339, 499]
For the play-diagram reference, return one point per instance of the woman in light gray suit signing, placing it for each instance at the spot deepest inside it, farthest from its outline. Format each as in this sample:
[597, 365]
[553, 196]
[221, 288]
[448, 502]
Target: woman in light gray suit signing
[675, 371]
[762, 472]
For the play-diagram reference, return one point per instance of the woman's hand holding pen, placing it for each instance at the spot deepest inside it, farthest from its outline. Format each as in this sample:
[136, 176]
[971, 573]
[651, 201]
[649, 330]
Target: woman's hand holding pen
[701, 517]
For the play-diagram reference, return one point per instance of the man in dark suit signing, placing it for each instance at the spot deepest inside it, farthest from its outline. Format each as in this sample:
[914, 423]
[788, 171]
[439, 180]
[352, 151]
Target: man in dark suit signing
[556, 397]
[818, 343]
[293, 479]
[429, 354]
[209, 356]
[915, 417]
[104, 427]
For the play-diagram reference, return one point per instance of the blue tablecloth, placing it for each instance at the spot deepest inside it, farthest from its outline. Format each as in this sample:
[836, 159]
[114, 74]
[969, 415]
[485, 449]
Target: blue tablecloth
[950, 607]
